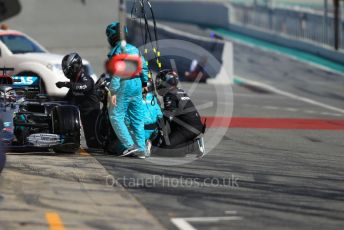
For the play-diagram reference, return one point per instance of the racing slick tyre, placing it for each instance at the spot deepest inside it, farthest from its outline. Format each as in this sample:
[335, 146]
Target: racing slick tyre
[66, 123]
[101, 127]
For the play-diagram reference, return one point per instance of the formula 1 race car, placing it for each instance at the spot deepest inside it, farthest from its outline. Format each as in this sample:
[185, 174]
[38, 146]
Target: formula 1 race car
[30, 120]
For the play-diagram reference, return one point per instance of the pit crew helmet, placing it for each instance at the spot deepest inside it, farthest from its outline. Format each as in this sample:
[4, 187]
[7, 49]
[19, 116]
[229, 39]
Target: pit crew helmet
[72, 65]
[165, 81]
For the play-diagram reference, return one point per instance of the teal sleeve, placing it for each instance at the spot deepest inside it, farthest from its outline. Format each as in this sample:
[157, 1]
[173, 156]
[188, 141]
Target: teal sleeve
[115, 80]
[158, 109]
[145, 71]
[115, 85]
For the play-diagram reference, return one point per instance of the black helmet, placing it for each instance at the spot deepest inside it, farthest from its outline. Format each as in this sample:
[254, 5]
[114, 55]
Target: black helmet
[71, 65]
[165, 81]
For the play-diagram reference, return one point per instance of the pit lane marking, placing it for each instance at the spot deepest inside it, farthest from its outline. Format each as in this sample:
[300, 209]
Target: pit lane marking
[289, 109]
[54, 221]
[287, 94]
[274, 123]
[184, 223]
[231, 212]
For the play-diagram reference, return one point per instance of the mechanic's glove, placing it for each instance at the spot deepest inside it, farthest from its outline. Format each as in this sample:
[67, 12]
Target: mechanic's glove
[62, 84]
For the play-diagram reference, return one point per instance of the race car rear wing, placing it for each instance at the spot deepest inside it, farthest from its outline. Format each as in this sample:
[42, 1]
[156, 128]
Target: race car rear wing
[32, 81]
[20, 81]
[30, 84]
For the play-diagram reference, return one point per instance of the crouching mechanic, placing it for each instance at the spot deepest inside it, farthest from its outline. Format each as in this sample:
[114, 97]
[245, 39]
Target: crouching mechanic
[81, 94]
[184, 119]
[127, 99]
[152, 114]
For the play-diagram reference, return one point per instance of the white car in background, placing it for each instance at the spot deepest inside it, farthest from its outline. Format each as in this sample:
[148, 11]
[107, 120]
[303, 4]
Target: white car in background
[21, 56]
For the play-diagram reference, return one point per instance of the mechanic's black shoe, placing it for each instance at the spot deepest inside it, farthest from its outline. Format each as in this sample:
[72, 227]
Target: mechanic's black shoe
[129, 152]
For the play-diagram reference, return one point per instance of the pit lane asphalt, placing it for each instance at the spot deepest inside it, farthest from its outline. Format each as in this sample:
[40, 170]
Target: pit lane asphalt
[287, 179]
[291, 179]
[301, 78]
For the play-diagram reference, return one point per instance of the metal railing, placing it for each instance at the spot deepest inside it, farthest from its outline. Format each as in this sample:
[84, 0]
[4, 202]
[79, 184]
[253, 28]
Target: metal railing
[307, 25]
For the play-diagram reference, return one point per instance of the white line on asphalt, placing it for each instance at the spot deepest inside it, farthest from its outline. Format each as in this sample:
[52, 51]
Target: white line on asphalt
[224, 103]
[251, 106]
[253, 95]
[291, 109]
[290, 95]
[231, 212]
[271, 107]
[183, 223]
[212, 219]
[330, 114]
[207, 105]
[337, 114]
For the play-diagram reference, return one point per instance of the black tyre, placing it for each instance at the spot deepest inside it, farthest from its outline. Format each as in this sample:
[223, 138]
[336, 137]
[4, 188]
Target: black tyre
[106, 136]
[101, 126]
[66, 122]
